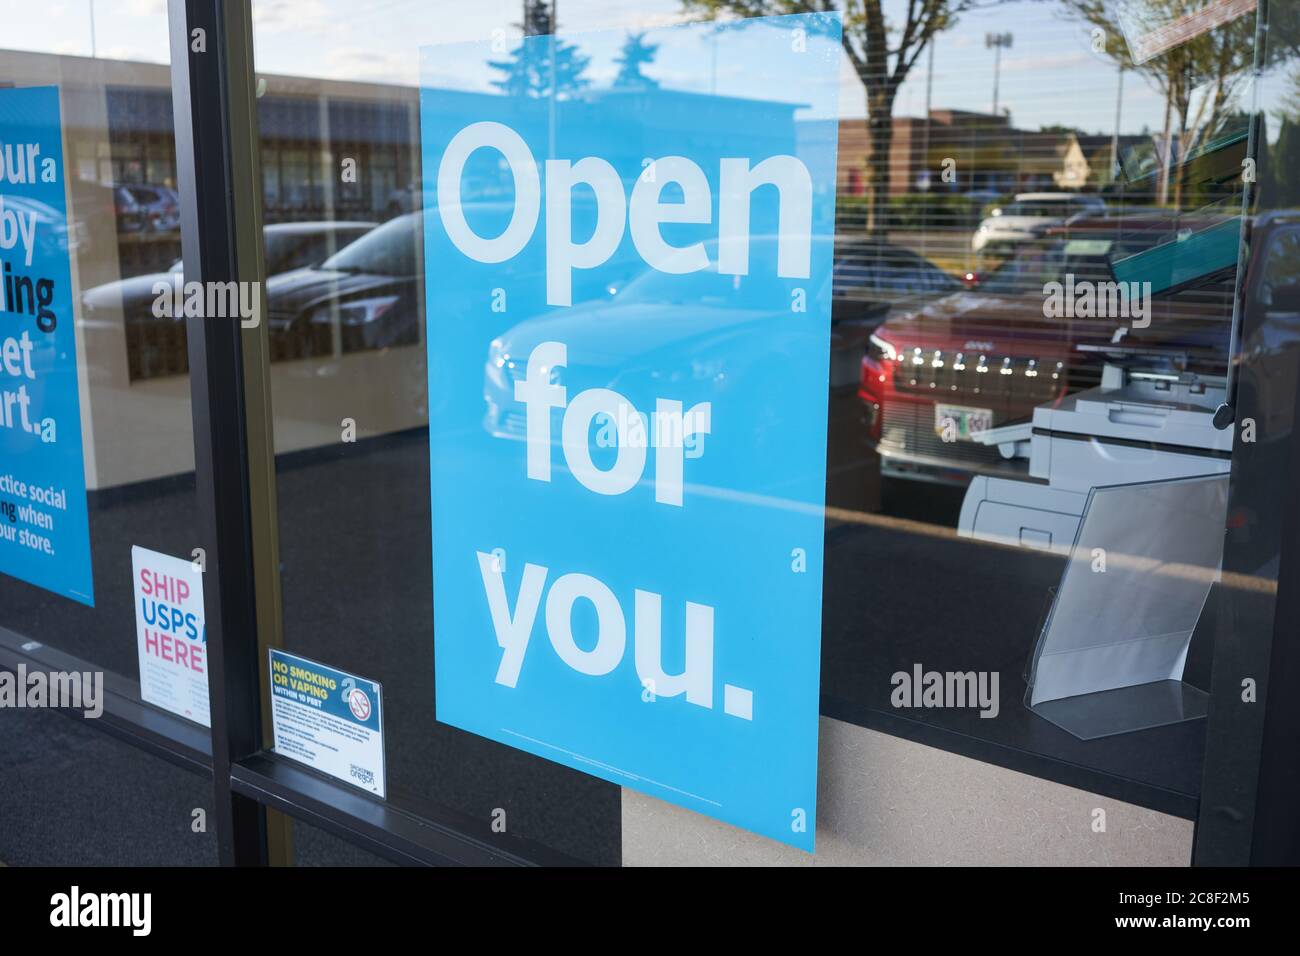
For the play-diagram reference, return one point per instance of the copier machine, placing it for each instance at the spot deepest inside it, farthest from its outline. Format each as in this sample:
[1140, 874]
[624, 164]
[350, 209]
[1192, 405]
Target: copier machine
[1137, 426]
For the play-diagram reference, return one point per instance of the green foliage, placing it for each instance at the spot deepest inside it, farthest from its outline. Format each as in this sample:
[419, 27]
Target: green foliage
[913, 211]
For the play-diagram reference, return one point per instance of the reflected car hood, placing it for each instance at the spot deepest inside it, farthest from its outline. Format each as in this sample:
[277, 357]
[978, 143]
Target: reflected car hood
[975, 321]
[289, 293]
[607, 334]
[135, 294]
[988, 322]
[1020, 223]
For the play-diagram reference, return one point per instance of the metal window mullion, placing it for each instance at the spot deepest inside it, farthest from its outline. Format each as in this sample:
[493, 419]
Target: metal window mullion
[215, 126]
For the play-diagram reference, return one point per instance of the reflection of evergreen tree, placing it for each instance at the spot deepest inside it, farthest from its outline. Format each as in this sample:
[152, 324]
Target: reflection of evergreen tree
[534, 68]
[635, 54]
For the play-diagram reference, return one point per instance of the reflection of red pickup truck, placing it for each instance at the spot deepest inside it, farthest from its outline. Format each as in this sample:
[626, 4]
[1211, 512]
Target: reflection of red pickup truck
[985, 357]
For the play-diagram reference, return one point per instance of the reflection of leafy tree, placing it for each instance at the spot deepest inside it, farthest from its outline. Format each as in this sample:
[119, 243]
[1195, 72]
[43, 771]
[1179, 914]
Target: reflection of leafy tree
[635, 54]
[882, 54]
[1217, 58]
[539, 69]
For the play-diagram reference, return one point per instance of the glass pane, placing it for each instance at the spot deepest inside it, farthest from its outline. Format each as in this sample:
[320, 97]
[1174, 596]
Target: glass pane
[1015, 288]
[98, 371]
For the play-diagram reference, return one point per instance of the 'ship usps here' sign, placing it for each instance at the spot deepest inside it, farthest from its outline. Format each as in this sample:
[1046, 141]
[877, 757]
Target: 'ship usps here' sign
[628, 252]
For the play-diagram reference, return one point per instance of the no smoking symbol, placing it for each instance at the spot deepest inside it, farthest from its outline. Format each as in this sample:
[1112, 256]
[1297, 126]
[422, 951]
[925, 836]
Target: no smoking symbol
[359, 704]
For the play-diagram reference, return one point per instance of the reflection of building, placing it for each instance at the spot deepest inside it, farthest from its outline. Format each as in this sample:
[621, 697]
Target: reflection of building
[118, 129]
[1090, 162]
[118, 122]
[988, 155]
[118, 126]
[101, 101]
[309, 126]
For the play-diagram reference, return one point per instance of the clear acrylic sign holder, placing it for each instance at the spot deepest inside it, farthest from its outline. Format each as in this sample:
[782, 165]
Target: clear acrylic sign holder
[1110, 657]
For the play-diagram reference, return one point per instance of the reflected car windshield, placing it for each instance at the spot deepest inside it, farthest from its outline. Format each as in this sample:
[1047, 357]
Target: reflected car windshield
[1041, 263]
[867, 268]
[708, 286]
[389, 250]
[278, 247]
[1050, 260]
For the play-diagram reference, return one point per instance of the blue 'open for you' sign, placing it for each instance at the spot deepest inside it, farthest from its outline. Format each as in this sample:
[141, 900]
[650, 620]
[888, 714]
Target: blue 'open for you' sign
[628, 257]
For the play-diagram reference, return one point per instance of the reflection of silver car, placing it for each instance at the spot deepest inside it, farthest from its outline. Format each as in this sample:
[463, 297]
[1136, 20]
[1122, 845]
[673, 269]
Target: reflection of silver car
[154, 208]
[1030, 215]
[156, 343]
[55, 235]
[642, 331]
[288, 245]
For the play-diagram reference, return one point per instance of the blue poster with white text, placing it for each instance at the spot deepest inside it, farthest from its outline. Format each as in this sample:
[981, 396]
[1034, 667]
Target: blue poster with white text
[628, 250]
[44, 532]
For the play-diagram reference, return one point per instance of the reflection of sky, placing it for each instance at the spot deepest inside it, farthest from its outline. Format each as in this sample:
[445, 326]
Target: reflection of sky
[1049, 76]
[739, 61]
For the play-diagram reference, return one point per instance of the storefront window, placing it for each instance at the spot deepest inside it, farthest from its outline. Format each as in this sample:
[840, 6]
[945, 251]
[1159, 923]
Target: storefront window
[688, 413]
[1035, 254]
[118, 459]
[96, 465]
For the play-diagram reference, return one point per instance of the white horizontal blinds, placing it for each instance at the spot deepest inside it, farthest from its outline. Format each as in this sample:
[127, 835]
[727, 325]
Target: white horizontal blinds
[1065, 121]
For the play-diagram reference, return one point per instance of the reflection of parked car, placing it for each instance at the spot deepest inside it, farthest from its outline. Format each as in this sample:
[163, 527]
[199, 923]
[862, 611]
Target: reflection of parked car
[661, 313]
[370, 289]
[152, 208]
[54, 236]
[373, 292]
[1030, 216]
[156, 345]
[871, 276]
[127, 210]
[981, 359]
[289, 245]
[1268, 366]
[404, 199]
[1271, 330]
[144, 207]
[878, 276]
[292, 245]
